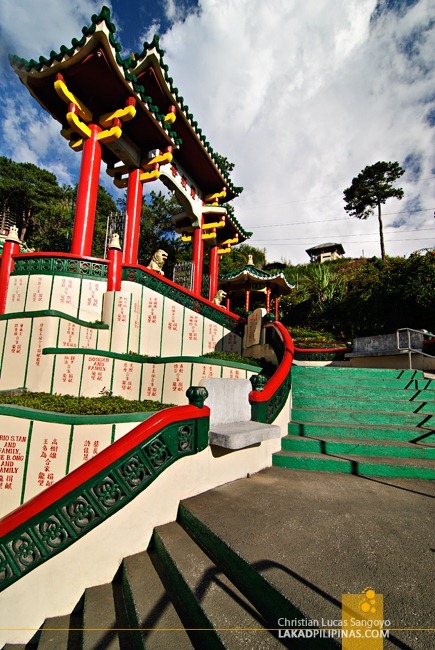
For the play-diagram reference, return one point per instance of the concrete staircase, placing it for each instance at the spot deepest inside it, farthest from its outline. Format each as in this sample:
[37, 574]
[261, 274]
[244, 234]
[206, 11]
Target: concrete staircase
[188, 590]
[361, 421]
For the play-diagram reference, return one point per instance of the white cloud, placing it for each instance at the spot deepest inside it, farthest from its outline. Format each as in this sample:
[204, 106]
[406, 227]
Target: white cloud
[300, 95]
[31, 28]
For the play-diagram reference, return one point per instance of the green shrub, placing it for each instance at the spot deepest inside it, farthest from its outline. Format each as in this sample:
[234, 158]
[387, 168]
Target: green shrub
[104, 405]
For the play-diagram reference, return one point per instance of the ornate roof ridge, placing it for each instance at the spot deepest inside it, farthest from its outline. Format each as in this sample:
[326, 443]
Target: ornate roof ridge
[155, 44]
[249, 269]
[128, 65]
[124, 64]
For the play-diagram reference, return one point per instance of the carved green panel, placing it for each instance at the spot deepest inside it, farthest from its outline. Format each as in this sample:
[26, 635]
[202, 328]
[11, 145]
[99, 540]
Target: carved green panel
[60, 266]
[88, 505]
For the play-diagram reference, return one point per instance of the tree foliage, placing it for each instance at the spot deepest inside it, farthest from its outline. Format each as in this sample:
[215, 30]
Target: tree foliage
[238, 258]
[370, 189]
[43, 210]
[376, 297]
[157, 231]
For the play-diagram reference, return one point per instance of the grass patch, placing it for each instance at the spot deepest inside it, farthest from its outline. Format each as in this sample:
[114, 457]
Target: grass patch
[105, 405]
[306, 338]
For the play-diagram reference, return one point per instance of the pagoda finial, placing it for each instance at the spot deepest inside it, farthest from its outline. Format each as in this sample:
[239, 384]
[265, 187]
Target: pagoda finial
[250, 260]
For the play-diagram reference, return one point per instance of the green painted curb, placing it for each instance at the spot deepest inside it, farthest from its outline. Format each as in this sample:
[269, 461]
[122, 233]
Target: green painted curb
[404, 434]
[388, 373]
[360, 404]
[57, 314]
[361, 417]
[154, 360]
[373, 392]
[346, 466]
[356, 448]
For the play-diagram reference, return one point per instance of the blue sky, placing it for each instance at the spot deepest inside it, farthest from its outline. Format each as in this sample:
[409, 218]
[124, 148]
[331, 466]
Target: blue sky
[300, 95]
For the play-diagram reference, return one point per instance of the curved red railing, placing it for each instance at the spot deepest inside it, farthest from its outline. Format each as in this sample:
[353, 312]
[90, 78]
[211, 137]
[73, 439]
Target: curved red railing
[98, 463]
[281, 372]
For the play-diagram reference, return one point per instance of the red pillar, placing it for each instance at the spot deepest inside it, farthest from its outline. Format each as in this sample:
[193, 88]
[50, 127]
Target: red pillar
[247, 300]
[276, 308]
[132, 222]
[198, 258]
[114, 272]
[267, 300]
[214, 272]
[228, 304]
[10, 248]
[87, 194]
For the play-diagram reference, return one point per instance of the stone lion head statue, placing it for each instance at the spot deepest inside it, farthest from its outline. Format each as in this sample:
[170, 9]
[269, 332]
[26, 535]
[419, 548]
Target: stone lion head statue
[220, 295]
[157, 261]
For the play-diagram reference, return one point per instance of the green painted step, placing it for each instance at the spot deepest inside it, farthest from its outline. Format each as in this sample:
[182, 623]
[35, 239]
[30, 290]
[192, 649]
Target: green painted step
[363, 417]
[357, 372]
[358, 448]
[355, 390]
[365, 465]
[349, 402]
[369, 382]
[361, 432]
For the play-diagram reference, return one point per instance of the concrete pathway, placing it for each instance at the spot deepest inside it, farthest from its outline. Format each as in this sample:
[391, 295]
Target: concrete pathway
[318, 535]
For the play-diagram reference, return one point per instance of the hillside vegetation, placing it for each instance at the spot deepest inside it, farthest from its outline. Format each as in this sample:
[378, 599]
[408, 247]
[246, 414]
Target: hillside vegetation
[362, 297]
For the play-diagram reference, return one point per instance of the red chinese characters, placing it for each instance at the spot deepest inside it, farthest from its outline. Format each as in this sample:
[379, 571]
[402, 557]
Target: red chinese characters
[48, 454]
[18, 333]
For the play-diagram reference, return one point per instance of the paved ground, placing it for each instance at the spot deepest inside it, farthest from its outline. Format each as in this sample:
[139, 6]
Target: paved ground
[317, 535]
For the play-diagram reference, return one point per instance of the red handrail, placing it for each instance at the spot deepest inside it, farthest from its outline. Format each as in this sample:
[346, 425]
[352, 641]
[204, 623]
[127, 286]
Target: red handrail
[98, 463]
[283, 369]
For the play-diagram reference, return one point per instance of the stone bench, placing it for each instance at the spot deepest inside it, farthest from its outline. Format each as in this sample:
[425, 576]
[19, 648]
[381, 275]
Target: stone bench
[231, 426]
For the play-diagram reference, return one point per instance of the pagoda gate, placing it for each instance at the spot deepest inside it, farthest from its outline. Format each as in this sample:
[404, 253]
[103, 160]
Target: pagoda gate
[128, 114]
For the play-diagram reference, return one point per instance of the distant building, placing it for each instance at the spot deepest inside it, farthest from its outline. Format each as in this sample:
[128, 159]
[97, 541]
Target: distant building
[325, 252]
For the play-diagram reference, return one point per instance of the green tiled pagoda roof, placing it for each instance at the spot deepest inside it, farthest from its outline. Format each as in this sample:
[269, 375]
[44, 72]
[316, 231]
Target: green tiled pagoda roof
[250, 272]
[128, 66]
